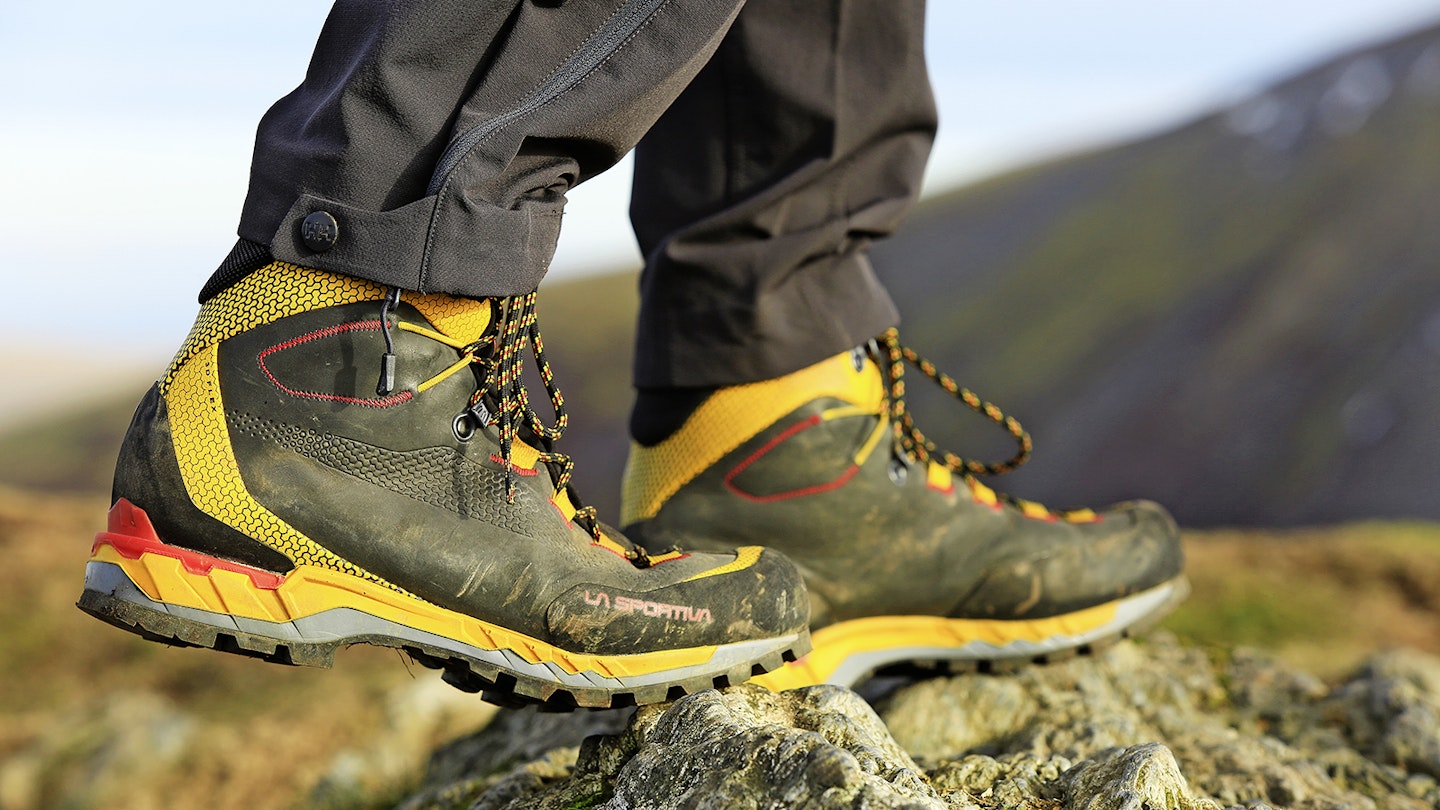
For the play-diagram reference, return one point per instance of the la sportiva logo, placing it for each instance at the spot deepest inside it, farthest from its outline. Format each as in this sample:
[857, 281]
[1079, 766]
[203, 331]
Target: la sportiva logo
[656, 610]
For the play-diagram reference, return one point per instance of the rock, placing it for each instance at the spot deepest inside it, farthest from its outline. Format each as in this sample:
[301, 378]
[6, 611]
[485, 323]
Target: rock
[90, 753]
[418, 714]
[1134, 728]
[821, 746]
[516, 755]
[1391, 710]
[746, 747]
[1136, 778]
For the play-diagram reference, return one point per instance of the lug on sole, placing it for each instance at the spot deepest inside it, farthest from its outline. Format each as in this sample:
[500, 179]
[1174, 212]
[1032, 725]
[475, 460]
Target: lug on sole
[178, 597]
[925, 646]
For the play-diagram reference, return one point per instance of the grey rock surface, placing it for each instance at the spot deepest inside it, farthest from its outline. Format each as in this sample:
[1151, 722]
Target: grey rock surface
[1138, 727]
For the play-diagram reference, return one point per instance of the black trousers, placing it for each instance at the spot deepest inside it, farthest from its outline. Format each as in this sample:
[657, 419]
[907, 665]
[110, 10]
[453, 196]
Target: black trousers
[775, 141]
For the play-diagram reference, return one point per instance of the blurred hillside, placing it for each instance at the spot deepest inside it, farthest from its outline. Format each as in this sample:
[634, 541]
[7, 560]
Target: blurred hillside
[1239, 318]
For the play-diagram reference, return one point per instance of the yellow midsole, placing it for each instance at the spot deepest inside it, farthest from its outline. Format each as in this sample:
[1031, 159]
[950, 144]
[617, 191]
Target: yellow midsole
[834, 644]
[308, 590]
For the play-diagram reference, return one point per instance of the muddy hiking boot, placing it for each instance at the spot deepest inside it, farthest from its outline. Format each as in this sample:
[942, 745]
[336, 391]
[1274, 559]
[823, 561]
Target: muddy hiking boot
[910, 560]
[328, 462]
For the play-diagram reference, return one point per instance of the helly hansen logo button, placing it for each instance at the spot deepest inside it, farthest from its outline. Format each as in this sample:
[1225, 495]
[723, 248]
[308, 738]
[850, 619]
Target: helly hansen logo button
[319, 231]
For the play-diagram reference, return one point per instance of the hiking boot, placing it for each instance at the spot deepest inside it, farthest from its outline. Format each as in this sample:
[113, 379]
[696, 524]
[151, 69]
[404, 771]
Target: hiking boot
[910, 560]
[327, 463]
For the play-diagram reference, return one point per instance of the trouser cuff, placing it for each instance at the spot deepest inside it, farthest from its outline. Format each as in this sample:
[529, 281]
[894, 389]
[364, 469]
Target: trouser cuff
[691, 337]
[464, 247]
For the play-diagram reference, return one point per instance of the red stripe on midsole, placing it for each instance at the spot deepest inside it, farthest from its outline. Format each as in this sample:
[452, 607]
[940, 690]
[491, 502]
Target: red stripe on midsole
[131, 534]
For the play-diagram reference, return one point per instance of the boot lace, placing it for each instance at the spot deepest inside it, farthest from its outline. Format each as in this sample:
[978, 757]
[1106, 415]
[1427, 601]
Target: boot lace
[909, 444]
[501, 399]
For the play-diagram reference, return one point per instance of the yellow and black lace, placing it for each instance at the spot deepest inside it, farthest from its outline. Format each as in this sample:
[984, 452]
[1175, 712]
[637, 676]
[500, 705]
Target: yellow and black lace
[502, 400]
[909, 443]
[503, 382]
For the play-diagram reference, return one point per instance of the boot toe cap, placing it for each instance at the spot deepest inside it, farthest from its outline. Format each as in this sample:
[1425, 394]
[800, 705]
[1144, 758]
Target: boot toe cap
[1134, 547]
[748, 595]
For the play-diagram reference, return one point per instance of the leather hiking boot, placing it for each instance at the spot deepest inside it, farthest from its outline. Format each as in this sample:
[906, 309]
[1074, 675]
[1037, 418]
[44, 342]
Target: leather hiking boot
[327, 463]
[910, 561]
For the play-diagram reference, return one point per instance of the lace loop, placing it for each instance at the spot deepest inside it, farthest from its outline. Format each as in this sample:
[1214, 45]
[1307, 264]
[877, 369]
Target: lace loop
[909, 442]
[500, 399]
[517, 328]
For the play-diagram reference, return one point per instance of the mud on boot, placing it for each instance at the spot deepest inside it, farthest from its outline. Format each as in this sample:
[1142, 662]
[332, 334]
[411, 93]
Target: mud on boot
[910, 560]
[327, 462]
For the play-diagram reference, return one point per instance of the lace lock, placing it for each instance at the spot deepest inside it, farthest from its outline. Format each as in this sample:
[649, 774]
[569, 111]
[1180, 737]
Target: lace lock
[476, 417]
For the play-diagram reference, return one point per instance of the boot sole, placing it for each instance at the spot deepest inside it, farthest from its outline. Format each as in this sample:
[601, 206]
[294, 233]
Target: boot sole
[848, 652]
[181, 598]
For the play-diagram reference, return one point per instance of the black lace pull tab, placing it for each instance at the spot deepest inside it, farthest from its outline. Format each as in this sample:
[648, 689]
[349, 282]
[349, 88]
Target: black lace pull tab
[387, 374]
[387, 360]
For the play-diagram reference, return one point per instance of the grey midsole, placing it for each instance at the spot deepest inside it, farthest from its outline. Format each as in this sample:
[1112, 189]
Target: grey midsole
[347, 625]
[1128, 611]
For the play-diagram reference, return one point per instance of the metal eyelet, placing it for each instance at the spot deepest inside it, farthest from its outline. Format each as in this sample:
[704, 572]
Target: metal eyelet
[462, 427]
[899, 471]
[476, 417]
[857, 358]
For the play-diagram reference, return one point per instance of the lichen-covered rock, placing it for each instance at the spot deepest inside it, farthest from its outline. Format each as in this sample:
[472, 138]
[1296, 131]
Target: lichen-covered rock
[1018, 781]
[1136, 778]
[747, 747]
[518, 754]
[1391, 710]
[1126, 696]
[1250, 731]
[1152, 726]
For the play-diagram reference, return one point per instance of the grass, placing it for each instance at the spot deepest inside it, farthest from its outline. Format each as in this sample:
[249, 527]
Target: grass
[93, 716]
[1319, 598]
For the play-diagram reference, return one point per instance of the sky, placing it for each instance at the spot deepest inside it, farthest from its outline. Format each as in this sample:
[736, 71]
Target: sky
[127, 127]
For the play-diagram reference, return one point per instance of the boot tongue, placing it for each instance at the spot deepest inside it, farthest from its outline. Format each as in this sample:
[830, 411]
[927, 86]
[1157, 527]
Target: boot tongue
[462, 319]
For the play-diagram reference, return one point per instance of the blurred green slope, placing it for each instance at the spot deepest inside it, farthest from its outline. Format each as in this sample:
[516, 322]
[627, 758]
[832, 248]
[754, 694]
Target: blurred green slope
[1239, 317]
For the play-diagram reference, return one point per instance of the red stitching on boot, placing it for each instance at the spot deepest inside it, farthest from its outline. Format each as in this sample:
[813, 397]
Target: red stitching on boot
[788, 433]
[319, 334]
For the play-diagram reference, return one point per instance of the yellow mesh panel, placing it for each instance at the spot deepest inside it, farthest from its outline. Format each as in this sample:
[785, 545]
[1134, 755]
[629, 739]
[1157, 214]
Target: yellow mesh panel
[279, 290]
[275, 291]
[462, 319]
[191, 387]
[730, 417]
[211, 474]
